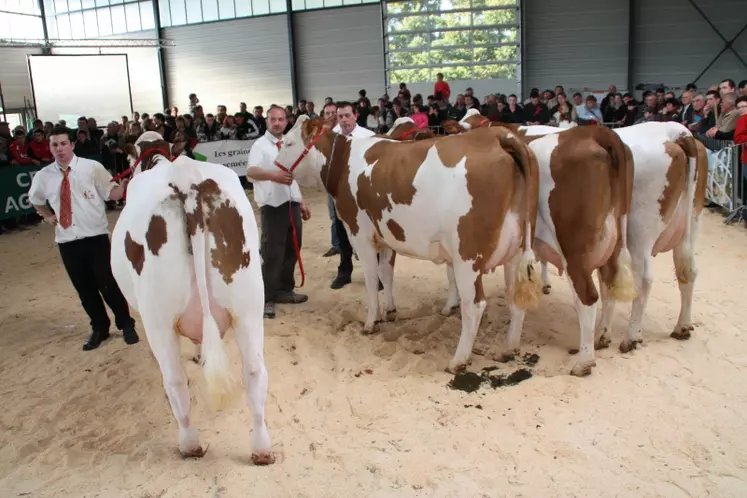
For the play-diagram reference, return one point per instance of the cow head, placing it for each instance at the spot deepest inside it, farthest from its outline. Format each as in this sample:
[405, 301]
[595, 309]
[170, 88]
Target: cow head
[453, 127]
[143, 155]
[299, 149]
[405, 129]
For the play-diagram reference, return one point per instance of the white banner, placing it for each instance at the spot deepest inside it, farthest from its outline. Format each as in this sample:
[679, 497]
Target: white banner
[232, 154]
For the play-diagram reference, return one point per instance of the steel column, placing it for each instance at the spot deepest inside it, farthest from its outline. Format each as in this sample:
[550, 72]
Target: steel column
[292, 51]
[161, 60]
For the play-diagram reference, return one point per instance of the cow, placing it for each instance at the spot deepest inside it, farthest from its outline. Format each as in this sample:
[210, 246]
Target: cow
[671, 172]
[405, 129]
[185, 254]
[467, 200]
[473, 119]
[586, 180]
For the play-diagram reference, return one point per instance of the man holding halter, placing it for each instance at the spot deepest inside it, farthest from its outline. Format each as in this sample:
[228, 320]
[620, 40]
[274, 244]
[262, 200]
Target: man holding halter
[279, 198]
[77, 190]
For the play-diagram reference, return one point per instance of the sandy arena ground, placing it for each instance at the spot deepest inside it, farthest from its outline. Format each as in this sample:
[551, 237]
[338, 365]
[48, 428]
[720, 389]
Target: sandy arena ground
[667, 420]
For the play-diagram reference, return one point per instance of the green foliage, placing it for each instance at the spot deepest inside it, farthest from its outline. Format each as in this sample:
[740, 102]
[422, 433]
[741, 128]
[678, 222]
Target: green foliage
[426, 37]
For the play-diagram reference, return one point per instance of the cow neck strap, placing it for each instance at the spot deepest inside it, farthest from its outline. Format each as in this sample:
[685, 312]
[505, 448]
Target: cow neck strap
[482, 122]
[408, 133]
[144, 155]
[330, 160]
[303, 154]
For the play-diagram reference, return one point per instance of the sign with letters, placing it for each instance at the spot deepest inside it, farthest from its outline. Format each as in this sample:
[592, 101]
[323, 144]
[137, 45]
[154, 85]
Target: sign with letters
[15, 182]
[233, 154]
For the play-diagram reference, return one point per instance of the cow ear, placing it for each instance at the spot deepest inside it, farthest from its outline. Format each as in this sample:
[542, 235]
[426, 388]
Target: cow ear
[178, 148]
[130, 150]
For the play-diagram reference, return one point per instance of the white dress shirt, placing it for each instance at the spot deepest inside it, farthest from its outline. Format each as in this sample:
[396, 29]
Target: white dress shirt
[358, 132]
[262, 155]
[90, 186]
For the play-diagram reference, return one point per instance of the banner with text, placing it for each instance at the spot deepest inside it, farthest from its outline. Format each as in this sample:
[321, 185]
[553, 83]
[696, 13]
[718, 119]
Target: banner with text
[233, 154]
[15, 182]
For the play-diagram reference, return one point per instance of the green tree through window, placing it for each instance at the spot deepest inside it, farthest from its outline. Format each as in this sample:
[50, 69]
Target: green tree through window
[464, 39]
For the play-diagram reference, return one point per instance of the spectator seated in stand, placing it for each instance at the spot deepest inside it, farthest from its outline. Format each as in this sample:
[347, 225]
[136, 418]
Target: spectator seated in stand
[590, 114]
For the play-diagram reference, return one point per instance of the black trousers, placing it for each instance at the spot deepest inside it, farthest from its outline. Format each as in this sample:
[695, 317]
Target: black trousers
[278, 250]
[345, 268]
[87, 262]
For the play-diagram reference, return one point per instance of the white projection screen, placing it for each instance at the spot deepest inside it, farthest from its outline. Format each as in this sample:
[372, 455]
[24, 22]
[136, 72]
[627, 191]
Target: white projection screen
[70, 86]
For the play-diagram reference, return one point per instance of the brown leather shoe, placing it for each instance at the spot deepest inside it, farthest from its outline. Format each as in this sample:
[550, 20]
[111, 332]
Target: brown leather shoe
[292, 298]
[332, 252]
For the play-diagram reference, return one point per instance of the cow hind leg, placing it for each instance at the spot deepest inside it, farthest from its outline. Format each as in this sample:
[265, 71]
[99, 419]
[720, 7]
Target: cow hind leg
[604, 328]
[386, 274]
[250, 337]
[513, 338]
[165, 346]
[545, 278]
[371, 274]
[587, 312]
[452, 301]
[469, 284]
[686, 271]
[644, 274]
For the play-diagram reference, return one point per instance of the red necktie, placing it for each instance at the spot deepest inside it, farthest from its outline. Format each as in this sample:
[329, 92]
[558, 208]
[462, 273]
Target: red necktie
[279, 143]
[66, 203]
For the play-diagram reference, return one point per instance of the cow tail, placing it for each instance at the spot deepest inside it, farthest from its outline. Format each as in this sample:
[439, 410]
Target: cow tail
[528, 284]
[686, 271]
[221, 384]
[622, 287]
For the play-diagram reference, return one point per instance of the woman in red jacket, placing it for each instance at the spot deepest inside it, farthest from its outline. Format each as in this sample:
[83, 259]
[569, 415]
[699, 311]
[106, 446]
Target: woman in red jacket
[740, 138]
[19, 150]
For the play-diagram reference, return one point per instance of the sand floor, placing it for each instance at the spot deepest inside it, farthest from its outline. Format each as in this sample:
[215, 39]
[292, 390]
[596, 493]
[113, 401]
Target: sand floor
[668, 419]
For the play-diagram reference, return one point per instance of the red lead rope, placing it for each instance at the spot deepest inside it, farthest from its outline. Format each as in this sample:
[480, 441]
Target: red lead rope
[129, 170]
[290, 206]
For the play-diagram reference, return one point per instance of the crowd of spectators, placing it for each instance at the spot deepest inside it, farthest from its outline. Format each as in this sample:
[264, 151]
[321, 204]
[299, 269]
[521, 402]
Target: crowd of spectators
[719, 113]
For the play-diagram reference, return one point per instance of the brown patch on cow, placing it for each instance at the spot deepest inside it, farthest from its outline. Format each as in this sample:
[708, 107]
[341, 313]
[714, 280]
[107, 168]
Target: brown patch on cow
[397, 231]
[701, 178]
[676, 181]
[156, 236]
[227, 226]
[393, 174]
[591, 170]
[392, 258]
[335, 175]
[135, 253]
[216, 215]
[479, 291]
[502, 176]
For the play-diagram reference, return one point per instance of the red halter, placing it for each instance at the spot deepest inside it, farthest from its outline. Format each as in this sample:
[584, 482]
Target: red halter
[131, 169]
[408, 133]
[290, 210]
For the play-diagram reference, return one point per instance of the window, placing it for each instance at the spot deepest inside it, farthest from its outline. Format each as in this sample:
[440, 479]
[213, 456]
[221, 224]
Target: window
[210, 10]
[463, 39]
[226, 9]
[178, 13]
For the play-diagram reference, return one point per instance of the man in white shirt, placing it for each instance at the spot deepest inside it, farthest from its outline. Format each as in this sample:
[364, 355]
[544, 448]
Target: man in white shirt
[77, 190]
[347, 125]
[277, 194]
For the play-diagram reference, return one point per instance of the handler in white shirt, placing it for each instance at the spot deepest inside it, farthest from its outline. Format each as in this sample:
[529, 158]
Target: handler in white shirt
[274, 188]
[77, 190]
[347, 124]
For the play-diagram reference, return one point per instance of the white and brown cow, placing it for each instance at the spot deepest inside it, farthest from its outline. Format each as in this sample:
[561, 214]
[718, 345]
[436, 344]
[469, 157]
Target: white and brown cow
[473, 119]
[586, 178]
[468, 200]
[404, 129]
[185, 254]
[671, 171]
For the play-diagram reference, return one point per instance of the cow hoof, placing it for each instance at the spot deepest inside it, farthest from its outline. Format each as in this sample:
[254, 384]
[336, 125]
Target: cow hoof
[546, 289]
[583, 369]
[266, 458]
[372, 329]
[602, 343]
[573, 351]
[195, 453]
[626, 346]
[391, 315]
[455, 368]
[682, 333]
[449, 310]
[507, 356]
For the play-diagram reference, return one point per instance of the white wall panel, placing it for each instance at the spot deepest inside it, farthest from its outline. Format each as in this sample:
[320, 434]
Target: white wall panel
[145, 79]
[673, 43]
[14, 76]
[228, 62]
[576, 43]
[339, 52]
